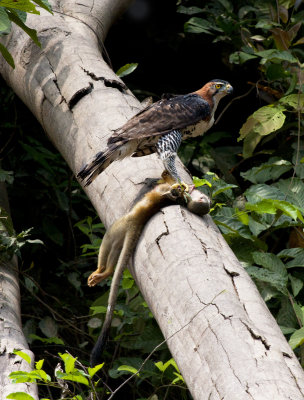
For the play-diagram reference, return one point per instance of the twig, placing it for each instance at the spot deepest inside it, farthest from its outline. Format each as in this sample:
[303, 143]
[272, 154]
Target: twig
[160, 344]
[229, 104]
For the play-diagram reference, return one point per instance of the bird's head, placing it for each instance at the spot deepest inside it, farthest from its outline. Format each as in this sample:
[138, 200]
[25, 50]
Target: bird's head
[215, 90]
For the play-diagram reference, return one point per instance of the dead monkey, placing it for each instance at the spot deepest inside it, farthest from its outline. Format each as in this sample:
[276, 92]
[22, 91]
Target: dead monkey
[121, 239]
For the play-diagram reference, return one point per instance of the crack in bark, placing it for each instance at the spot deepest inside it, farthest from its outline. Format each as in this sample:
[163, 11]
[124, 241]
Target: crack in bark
[247, 390]
[55, 80]
[295, 379]
[215, 305]
[256, 336]
[232, 275]
[204, 247]
[113, 83]
[157, 240]
[229, 362]
[217, 390]
[79, 95]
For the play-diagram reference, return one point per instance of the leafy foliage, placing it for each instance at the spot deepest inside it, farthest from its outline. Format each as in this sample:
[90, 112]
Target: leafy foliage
[256, 186]
[268, 215]
[15, 11]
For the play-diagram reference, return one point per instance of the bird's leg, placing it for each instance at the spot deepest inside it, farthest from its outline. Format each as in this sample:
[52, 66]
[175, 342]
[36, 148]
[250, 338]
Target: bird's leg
[167, 147]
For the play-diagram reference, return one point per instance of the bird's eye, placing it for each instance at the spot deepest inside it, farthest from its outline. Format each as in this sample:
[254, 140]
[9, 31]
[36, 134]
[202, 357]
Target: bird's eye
[218, 86]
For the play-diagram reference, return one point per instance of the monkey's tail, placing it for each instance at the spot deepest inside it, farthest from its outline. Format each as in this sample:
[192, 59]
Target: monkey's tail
[128, 247]
[101, 161]
[96, 354]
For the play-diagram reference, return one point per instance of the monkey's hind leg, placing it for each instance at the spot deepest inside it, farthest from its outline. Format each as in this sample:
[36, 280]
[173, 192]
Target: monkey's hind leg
[128, 246]
[103, 255]
[105, 265]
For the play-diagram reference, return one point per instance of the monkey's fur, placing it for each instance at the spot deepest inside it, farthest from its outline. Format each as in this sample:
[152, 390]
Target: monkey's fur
[120, 240]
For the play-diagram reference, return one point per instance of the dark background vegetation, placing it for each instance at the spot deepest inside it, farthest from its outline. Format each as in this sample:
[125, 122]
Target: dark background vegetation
[45, 196]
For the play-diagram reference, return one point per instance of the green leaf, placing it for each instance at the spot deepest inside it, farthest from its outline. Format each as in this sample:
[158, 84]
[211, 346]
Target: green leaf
[287, 330]
[5, 23]
[243, 217]
[295, 101]
[230, 224]
[42, 375]
[73, 278]
[173, 363]
[271, 262]
[264, 206]
[250, 143]
[270, 170]
[20, 396]
[160, 366]
[49, 327]
[200, 182]
[271, 206]
[227, 5]
[98, 310]
[299, 311]
[39, 364]
[23, 355]
[189, 10]
[52, 340]
[24, 376]
[274, 278]
[267, 291]
[74, 377]
[277, 55]
[258, 38]
[260, 192]
[44, 4]
[222, 187]
[92, 371]
[264, 121]
[275, 71]
[23, 5]
[243, 11]
[286, 315]
[94, 323]
[128, 368]
[13, 16]
[297, 255]
[198, 25]
[127, 283]
[69, 362]
[296, 339]
[179, 378]
[293, 191]
[126, 69]
[240, 57]
[7, 55]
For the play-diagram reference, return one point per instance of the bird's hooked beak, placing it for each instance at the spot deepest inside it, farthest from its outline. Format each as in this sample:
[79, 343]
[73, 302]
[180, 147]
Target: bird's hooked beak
[229, 88]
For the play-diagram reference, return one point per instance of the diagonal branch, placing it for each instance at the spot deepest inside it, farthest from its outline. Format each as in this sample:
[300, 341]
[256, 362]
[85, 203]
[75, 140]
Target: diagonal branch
[79, 101]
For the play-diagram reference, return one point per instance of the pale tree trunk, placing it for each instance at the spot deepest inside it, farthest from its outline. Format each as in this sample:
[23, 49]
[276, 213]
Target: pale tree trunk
[11, 335]
[220, 332]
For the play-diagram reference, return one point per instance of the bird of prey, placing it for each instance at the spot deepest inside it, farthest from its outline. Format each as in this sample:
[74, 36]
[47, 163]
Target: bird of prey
[160, 128]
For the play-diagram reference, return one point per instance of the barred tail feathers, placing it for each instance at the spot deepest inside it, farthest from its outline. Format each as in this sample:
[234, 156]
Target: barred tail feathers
[101, 161]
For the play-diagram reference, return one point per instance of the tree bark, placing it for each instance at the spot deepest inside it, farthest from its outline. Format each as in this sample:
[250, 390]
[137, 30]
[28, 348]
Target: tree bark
[220, 332]
[11, 336]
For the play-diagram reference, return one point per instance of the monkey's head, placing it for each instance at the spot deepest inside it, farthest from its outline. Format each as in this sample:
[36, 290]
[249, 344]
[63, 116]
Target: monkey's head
[198, 203]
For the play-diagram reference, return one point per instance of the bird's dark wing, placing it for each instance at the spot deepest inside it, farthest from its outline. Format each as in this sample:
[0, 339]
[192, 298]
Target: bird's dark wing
[163, 116]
